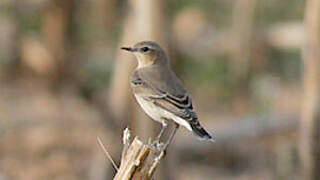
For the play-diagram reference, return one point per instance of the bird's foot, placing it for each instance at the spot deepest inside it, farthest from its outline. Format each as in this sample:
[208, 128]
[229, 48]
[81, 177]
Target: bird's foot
[157, 144]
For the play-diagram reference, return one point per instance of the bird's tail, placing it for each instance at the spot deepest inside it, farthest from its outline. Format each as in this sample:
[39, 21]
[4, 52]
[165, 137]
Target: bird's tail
[201, 132]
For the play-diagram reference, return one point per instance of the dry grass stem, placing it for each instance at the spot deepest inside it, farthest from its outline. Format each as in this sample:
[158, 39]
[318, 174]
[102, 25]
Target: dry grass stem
[107, 154]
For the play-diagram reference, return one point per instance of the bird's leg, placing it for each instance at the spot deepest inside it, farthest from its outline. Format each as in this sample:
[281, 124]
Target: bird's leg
[164, 126]
[171, 136]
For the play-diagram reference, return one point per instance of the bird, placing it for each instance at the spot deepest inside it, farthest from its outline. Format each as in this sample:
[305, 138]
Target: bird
[160, 93]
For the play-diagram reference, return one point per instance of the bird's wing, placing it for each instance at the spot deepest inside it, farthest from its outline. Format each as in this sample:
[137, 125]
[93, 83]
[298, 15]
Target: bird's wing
[154, 87]
[181, 107]
[179, 104]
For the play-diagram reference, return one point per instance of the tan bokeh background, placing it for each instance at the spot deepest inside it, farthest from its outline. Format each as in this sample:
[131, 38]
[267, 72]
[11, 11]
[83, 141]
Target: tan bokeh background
[251, 67]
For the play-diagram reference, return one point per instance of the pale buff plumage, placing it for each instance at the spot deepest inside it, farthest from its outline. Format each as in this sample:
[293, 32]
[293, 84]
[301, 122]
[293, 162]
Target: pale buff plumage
[158, 90]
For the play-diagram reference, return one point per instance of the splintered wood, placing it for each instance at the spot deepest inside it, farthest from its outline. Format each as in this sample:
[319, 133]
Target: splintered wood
[139, 161]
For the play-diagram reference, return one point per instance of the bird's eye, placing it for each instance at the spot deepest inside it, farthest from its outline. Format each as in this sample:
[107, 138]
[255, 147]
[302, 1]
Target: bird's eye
[145, 49]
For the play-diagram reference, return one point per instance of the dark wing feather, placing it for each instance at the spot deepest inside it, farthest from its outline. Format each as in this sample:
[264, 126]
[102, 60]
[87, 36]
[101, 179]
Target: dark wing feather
[180, 105]
[173, 99]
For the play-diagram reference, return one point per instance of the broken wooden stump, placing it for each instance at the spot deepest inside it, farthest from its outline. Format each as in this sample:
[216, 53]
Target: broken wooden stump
[139, 160]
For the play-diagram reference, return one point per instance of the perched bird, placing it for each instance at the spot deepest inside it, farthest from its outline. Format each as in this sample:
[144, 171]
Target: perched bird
[160, 93]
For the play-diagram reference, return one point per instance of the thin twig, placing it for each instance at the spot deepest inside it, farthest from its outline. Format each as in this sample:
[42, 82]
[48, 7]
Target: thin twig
[108, 155]
[126, 143]
[156, 163]
[126, 137]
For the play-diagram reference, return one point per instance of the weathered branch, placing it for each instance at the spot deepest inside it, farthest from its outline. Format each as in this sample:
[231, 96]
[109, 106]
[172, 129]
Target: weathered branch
[139, 160]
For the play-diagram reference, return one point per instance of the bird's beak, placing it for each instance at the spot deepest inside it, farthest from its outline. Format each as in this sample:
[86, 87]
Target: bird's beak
[130, 49]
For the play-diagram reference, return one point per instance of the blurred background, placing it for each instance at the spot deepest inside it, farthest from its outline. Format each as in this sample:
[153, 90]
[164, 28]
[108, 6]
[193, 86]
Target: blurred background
[251, 67]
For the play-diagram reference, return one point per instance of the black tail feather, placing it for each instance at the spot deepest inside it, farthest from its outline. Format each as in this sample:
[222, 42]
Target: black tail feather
[201, 132]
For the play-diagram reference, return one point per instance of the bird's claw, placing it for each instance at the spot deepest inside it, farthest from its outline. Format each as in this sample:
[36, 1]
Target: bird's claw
[157, 144]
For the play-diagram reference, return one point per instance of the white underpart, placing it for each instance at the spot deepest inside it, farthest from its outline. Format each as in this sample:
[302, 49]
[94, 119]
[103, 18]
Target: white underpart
[157, 113]
[139, 59]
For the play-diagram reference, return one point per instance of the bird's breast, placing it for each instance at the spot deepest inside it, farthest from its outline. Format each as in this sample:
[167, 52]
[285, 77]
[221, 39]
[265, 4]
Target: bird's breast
[150, 109]
[159, 114]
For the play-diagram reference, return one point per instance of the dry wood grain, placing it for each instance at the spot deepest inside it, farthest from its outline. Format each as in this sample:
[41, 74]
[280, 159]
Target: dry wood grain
[139, 160]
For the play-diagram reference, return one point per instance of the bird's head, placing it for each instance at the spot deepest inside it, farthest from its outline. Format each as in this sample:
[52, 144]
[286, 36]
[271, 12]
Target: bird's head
[147, 53]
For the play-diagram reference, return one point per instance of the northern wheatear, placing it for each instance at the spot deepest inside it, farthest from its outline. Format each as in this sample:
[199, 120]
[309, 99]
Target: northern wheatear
[160, 93]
